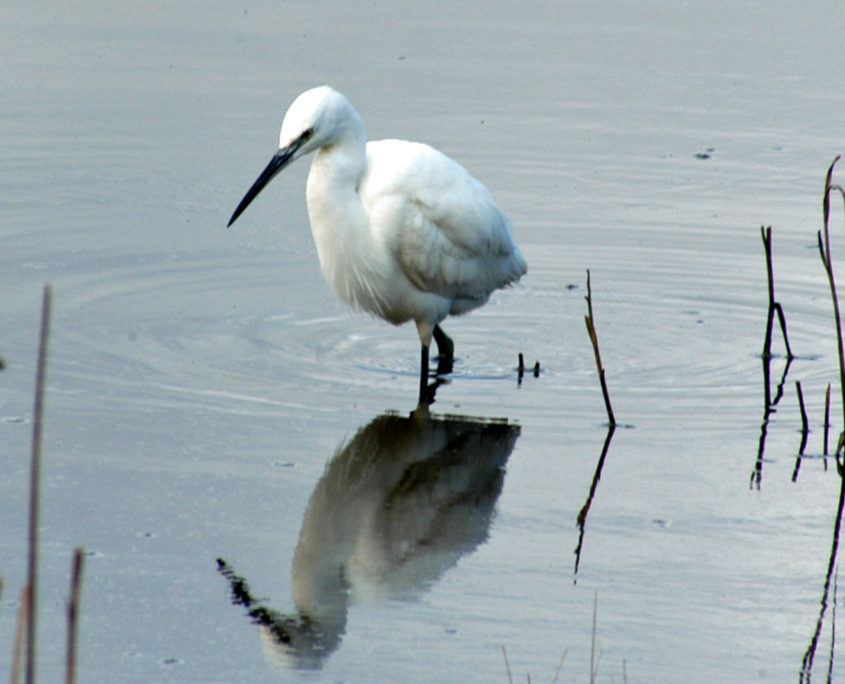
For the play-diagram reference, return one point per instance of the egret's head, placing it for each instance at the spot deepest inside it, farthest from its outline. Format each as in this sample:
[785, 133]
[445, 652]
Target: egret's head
[319, 117]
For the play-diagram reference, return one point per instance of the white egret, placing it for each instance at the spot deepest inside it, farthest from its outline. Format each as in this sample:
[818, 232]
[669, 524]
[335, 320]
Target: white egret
[402, 231]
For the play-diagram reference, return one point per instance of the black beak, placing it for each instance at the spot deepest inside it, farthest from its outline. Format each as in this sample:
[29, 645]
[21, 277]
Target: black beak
[277, 163]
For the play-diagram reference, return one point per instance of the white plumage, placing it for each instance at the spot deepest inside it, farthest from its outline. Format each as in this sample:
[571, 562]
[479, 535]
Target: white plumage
[402, 231]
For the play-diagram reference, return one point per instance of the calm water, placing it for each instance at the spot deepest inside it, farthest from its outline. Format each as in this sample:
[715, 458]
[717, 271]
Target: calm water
[208, 397]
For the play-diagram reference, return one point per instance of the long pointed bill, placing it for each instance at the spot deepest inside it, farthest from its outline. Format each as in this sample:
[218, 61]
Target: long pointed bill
[277, 163]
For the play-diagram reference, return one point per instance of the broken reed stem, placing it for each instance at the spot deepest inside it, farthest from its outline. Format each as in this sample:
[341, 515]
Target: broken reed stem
[774, 306]
[35, 484]
[766, 235]
[591, 330]
[560, 666]
[73, 615]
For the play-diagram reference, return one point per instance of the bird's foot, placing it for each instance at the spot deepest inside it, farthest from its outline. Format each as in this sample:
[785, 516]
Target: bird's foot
[445, 351]
[444, 365]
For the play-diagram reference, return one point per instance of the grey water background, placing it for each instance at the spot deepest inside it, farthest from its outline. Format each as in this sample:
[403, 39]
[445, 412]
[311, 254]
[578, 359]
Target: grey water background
[201, 379]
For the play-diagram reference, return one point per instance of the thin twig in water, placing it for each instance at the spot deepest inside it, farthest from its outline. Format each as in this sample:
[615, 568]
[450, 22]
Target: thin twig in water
[507, 664]
[35, 484]
[560, 666]
[73, 616]
[591, 330]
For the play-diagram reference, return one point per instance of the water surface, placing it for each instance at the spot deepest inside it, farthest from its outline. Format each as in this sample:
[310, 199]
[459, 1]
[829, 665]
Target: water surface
[202, 379]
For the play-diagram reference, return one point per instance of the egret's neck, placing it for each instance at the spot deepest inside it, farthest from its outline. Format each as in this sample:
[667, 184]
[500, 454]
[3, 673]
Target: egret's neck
[338, 219]
[336, 170]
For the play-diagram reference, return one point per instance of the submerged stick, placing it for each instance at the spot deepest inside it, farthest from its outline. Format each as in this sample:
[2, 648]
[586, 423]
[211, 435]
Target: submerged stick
[591, 330]
[520, 369]
[73, 616]
[35, 485]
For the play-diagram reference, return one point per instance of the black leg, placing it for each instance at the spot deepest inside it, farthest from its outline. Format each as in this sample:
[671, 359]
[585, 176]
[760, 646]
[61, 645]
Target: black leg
[445, 351]
[424, 375]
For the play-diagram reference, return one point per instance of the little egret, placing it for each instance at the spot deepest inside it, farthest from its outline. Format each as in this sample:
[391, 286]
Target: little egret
[402, 231]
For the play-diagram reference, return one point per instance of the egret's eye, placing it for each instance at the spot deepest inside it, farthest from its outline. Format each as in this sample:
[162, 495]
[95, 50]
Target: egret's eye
[306, 134]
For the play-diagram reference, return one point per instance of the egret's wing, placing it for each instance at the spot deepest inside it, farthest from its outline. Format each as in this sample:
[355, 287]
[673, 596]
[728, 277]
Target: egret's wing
[448, 235]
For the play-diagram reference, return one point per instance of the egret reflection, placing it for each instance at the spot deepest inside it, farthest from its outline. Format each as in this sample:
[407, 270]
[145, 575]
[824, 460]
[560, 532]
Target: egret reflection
[397, 506]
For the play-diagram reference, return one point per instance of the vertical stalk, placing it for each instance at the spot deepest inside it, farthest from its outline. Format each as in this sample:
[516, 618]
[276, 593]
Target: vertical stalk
[35, 486]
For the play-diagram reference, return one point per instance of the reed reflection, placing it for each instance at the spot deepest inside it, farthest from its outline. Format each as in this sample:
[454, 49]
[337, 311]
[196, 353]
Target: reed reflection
[396, 507]
[770, 403]
[585, 509]
[830, 577]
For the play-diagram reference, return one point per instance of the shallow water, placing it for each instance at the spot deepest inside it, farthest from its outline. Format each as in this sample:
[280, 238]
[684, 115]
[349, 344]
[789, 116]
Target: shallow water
[201, 380]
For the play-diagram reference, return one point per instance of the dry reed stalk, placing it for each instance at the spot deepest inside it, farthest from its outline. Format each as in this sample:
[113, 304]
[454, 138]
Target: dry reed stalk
[827, 261]
[591, 330]
[825, 254]
[35, 486]
[507, 664]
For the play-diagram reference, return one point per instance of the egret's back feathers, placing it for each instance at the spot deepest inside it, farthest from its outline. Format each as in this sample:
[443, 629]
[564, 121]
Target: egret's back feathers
[441, 224]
